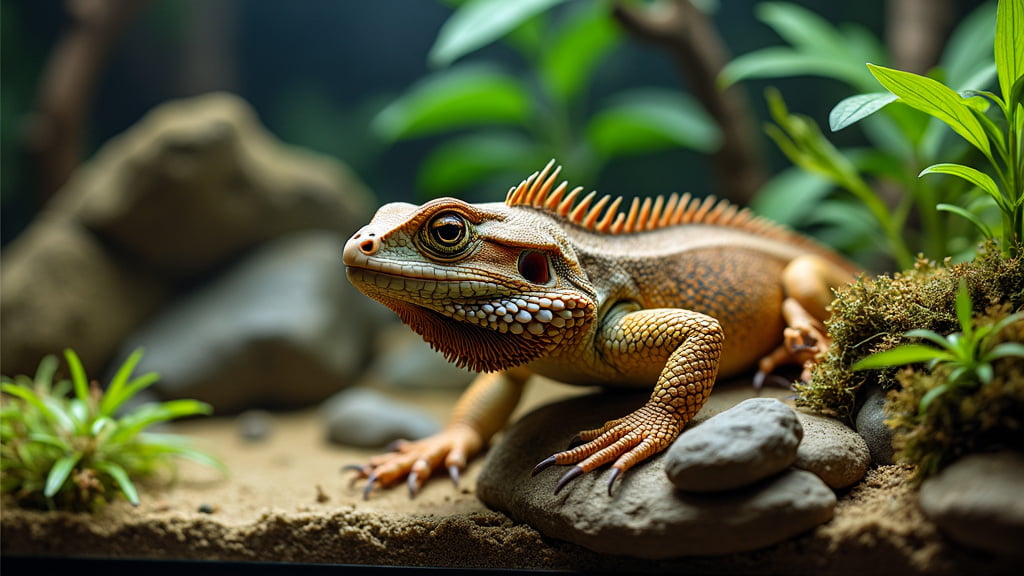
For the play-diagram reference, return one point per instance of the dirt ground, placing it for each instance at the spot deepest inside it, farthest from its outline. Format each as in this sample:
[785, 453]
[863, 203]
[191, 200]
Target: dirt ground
[286, 501]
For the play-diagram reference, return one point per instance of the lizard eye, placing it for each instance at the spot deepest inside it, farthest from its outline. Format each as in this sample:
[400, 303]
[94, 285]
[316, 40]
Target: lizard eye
[447, 234]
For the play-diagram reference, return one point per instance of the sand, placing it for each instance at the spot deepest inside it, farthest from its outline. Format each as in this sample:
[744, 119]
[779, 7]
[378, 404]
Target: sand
[287, 501]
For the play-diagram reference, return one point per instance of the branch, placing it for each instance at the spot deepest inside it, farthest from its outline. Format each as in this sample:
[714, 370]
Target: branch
[916, 32]
[680, 29]
[56, 135]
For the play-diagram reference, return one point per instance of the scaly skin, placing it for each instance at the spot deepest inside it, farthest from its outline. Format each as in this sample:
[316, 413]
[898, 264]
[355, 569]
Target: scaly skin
[666, 295]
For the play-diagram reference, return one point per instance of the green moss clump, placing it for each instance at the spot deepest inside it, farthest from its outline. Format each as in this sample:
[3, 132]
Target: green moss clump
[873, 314]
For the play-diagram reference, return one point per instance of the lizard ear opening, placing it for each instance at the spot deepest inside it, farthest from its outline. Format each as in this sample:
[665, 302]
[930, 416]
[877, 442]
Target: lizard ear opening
[535, 267]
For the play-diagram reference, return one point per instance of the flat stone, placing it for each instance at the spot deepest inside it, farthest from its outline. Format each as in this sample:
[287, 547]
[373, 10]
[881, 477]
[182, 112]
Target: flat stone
[977, 501]
[279, 329]
[755, 439]
[870, 424]
[367, 419]
[832, 450]
[646, 516]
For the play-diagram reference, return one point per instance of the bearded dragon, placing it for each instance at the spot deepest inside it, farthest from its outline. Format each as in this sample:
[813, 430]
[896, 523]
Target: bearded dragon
[666, 295]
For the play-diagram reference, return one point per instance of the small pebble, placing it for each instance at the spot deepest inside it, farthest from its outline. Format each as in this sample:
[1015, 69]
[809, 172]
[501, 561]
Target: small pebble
[255, 425]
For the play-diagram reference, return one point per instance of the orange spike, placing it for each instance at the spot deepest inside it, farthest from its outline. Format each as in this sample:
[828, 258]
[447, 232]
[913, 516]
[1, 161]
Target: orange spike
[537, 198]
[551, 202]
[566, 205]
[702, 211]
[680, 212]
[609, 214]
[670, 207]
[580, 211]
[659, 204]
[630, 222]
[541, 177]
[645, 212]
[620, 219]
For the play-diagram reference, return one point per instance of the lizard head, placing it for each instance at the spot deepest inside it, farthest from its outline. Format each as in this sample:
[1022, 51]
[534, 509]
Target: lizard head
[488, 285]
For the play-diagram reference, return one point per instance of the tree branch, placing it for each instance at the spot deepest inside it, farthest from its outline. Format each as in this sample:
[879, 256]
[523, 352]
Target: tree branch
[680, 29]
[916, 32]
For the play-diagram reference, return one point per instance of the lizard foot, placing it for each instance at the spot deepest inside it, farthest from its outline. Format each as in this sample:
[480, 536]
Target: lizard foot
[628, 441]
[415, 461]
[802, 342]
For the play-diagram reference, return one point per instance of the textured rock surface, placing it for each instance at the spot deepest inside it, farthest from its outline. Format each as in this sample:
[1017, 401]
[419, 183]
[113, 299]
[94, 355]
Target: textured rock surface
[978, 501]
[832, 450]
[751, 441]
[364, 418]
[197, 181]
[646, 516]
[60, 289]
[279, 329]
[871, 426]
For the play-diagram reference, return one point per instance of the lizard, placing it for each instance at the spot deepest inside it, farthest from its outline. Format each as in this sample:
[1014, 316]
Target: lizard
[668, 294]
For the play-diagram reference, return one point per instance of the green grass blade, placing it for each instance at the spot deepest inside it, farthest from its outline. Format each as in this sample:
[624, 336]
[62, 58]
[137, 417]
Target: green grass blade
[972, 175]
[59, 474]
[121, 478]
[29, 396]
[77, 375]
[1005, 350]
[930, 397]
[899, 356]
[981, 226]
[44, 373]
[114, 392]
[964, 309]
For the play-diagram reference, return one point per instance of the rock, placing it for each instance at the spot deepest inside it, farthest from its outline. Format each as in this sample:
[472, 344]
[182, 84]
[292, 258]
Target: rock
[280, 329]
[646, 516]
[832, 450]
[403, 360]
[255, 425]
[871, 426]
[977, 501]
[367, 419]
[62, 289]
[198, 181]
[749, 442]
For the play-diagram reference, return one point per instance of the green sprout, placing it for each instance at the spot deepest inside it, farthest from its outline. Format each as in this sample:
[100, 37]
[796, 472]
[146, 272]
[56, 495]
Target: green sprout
[63, 445]
[968, 354]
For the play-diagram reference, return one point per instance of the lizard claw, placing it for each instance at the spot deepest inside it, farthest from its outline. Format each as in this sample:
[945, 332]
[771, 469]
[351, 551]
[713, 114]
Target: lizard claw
[371, 481]
[542, 465]
[454, 474]
[568, 477]
[611, 478]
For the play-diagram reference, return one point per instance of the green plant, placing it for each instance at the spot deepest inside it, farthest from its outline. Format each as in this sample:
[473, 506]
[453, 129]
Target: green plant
[904, 143]
[968, 354]
[65, 446]
[500, 123]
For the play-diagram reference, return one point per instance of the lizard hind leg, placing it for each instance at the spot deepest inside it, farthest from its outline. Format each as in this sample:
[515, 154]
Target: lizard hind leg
[807, 283]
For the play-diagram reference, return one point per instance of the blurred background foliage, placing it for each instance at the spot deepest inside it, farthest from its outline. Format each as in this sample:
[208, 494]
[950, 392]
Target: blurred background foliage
[425, 98]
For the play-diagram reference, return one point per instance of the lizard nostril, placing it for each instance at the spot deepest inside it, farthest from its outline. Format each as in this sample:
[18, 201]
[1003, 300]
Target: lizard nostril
[368, 246]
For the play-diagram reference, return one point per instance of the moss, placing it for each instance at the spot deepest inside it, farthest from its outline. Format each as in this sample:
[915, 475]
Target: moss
[872, 315]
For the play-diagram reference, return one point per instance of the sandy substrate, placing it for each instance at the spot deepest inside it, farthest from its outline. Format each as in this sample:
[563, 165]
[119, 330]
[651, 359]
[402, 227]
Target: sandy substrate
[286, 501]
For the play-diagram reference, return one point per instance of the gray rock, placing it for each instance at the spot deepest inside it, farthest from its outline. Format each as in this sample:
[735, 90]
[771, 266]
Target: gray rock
[255, 425]
[198, 181]
[367, 419]
[62, 289]
[749, 442]
[403, 360]
[280, 329]
[646, 516]
[870, 424]
[832, 450]
[977, 501]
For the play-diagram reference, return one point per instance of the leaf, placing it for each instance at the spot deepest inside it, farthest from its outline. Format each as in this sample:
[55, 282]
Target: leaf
[981, 226]
[648, 120]
[569, 61]
[121, 478]
[781, 61]
[462, 161]
[149, 414]
[964, 309]
[477, 23]
[113, 397]
[77, 375]
[29, 396]
[791, 196]
[59, 473]
[1005, 350]
[1009, 44]
[972, 175]
[935, 99]
[455, 98]
[930, 397]
[899, 356]
[801, 27]
[44, 373]
[850, 110]
[968, 50]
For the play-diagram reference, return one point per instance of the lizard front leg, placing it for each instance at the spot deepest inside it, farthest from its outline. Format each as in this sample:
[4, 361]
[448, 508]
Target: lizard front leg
[687, 345]
[482, 410]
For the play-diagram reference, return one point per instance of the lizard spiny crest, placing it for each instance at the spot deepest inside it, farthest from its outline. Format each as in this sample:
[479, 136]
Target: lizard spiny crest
[643, 215]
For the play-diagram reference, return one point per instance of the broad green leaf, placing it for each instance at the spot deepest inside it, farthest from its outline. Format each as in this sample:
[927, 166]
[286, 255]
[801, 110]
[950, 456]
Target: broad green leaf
[477, 23]
[791, 196]
[568, 63]
[933, 98]
[852, 109]
[802, 28]
[463, 161]
[899, 356]
[647, 120]
[1009, 44]
[77, 375]
[981, 226]
[1005, 350]
[972, 175]
[121, 478]
[782, 61]
[454, 98]
[59, 473]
